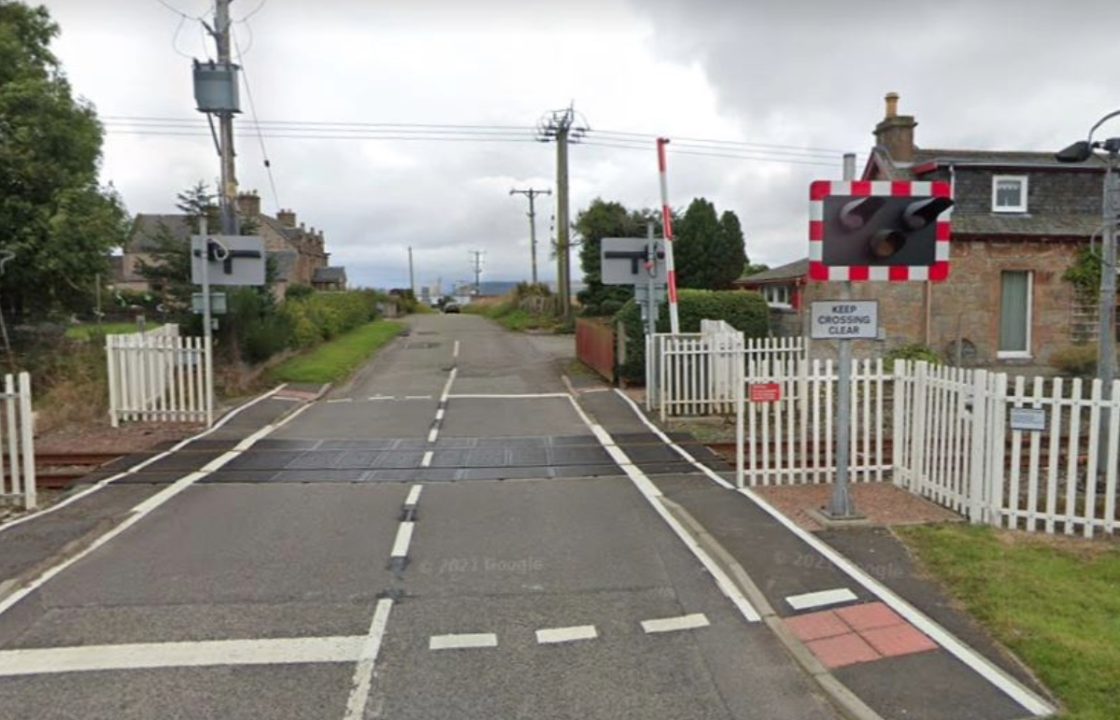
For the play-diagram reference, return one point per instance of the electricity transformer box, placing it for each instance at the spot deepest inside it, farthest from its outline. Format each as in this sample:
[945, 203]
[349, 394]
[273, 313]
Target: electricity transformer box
[216, 87]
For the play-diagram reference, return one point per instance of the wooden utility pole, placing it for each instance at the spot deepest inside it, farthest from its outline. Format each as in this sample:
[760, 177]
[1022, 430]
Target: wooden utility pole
[228, 192]
[559, 126]
[532, 193]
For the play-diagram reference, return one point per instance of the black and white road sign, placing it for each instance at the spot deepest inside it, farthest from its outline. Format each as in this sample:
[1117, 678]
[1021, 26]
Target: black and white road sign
[233, 260]
[844, 320]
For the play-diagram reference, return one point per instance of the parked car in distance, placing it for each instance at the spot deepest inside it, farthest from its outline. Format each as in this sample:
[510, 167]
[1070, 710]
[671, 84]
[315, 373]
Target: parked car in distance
[451, 308]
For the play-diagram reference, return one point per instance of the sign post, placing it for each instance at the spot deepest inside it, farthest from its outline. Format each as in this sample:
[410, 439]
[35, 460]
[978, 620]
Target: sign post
[863, 231]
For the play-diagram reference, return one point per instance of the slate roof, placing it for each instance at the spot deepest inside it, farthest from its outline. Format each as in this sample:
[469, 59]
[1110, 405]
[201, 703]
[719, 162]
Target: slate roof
[789, 271]
[147, 227]
[285, 263]
[1026, 224]
[329, 275]
[993, 158]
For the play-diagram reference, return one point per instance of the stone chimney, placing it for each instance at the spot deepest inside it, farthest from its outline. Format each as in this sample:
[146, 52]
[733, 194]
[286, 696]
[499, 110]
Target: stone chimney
[249, 204]
[287, 218]
[896, 132]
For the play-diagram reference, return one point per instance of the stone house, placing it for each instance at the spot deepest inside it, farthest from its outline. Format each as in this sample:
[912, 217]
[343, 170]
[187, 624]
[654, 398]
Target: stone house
[297, 253]
[1018, 223]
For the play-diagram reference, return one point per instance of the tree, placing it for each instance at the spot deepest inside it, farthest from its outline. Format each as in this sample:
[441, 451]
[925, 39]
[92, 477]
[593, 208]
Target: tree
[729, 254]
[695, 240]
[56, 219]
[599, 220]
[709, 249]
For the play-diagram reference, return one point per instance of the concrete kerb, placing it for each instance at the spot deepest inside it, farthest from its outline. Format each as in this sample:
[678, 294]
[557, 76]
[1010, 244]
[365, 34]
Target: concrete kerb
[1026, 698]
[837, 693]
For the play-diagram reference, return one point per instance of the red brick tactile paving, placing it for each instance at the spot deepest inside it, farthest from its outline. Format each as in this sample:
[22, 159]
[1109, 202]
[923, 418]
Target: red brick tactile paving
[869, 616]
[843, 650]
[858, 633]
[898, 640]
[815, 626]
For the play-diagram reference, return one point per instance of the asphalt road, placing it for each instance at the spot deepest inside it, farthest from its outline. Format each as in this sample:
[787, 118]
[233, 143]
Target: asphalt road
[443, 537]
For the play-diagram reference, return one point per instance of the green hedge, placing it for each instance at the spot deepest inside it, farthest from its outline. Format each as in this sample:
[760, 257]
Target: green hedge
[322, 316]
[745, 311]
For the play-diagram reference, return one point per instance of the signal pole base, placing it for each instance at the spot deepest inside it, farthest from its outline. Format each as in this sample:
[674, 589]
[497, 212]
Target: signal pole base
[833, 522]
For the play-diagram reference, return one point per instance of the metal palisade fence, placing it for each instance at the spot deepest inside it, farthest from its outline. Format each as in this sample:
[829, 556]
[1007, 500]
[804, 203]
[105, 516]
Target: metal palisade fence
[159, 375]
[17, 442]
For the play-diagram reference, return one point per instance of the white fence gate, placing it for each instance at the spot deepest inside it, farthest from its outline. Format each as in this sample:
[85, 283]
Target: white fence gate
[691, 373]
[961, 450]
[790, 440]
[17, 442]
[159, 376]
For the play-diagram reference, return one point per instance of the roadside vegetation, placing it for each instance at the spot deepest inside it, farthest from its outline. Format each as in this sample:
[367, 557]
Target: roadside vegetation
[1051, 600]
[93, 331]
[528, 308]
[335, 360]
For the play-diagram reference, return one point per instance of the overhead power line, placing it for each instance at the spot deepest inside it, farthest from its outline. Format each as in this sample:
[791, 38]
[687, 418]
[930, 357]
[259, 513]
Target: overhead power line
[253, 111]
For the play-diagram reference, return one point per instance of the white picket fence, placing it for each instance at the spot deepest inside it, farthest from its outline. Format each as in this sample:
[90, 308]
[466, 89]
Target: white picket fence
[959, 448]
[159, 376]
[790, 440]
[17, 442]
[695, 374]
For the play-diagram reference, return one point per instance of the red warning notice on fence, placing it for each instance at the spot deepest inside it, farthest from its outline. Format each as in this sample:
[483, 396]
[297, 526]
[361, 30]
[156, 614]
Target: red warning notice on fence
[766, 392]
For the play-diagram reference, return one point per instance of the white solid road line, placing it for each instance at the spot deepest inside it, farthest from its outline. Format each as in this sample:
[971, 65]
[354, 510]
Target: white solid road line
[141, 465]
[339, 400]
[463, 641]
[651, 494]
[515, 396]
[954, 646]
[414, 493]
[820, 599]
[404, 537]
[363, 673]
[684, 622]
[141, 511]
[426, 461]
[548, 636]
[417, 397]
[86, 658]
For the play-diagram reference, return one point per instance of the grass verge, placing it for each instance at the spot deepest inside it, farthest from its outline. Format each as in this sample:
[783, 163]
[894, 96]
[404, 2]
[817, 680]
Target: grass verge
[1054, 601]
[86, 332]
[506, 313]
[335, 360]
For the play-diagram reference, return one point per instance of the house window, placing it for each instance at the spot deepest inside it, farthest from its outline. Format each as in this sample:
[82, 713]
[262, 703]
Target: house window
[777, 295]
[1015, 314]
[1009, 193]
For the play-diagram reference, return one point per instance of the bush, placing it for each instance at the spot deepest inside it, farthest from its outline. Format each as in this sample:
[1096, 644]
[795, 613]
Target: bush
[1076, 360]
[915, 352]
[745, 311]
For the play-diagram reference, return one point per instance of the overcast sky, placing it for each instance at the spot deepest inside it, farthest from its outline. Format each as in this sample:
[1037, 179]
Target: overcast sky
[998, 74]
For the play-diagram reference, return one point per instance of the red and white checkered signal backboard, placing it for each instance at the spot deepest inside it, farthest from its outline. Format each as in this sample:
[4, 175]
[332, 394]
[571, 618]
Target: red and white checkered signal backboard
[822, 270]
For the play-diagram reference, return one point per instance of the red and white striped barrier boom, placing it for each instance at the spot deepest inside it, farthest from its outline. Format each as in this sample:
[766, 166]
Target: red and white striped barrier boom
[667, 222]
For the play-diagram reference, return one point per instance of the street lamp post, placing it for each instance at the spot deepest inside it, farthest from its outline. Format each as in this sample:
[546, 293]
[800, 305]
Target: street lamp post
[1106, 351]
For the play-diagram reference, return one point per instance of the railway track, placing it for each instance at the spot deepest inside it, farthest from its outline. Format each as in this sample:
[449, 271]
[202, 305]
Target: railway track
[59, 471]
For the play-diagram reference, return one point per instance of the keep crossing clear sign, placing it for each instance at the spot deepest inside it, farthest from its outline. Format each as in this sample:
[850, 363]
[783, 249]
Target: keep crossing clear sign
[844, 320]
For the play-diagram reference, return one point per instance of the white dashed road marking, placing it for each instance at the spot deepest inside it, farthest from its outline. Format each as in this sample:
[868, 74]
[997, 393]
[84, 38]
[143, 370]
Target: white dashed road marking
[566, 634]
[426, 461]
[684, 622]
[463, 641]
[820, 599]
[404, 537]
[414, 493]
[433, 434]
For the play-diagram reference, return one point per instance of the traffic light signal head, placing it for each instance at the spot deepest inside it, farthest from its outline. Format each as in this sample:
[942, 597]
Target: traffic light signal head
[879, 231]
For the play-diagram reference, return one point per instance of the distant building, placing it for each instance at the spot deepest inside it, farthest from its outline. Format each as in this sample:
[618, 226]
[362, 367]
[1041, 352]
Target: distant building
[298, 254]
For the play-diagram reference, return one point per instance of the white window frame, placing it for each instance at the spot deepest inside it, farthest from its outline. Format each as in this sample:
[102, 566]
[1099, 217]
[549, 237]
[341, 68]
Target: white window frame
[1024, 184]
[1021, 354]
[775, 290]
